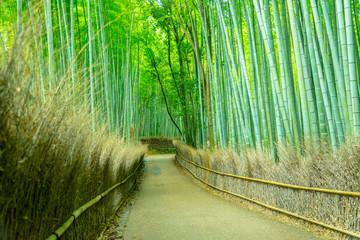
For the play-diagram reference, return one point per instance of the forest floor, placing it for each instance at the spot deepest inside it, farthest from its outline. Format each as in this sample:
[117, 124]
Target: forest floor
[170, 205]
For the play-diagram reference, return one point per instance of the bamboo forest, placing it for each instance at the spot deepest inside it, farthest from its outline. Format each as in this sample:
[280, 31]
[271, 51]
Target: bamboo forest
[256, 101]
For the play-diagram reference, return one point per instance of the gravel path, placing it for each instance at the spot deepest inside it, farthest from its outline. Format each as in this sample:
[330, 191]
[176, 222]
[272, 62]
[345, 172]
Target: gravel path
[170, 205]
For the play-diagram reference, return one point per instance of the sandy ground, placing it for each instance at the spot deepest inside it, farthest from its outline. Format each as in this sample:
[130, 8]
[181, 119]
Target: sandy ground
[170, 205]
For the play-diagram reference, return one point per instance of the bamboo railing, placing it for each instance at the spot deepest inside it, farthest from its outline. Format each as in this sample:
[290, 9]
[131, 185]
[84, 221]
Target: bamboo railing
[352, 194]
[74, 215]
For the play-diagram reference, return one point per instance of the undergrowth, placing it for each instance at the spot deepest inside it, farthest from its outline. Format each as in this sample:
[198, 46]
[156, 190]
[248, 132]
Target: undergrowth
[51, 160]
[318, 167]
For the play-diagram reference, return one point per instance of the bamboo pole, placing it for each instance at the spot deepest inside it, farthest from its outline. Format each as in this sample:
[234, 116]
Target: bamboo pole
[356, 235]
[338, 192]
[74, 215]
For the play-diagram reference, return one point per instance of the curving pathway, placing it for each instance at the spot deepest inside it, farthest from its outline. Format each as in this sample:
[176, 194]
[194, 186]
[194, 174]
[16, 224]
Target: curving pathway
[170, 205]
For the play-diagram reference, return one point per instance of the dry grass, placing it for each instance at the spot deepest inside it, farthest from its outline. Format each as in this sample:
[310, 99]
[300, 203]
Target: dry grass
[159, 145]
[321, 168]
[160, 138]
[51, 162]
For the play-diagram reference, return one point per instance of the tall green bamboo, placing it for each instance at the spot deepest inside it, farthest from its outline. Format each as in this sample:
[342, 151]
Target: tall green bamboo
[50, 43]
[90, 35]
[351, 45]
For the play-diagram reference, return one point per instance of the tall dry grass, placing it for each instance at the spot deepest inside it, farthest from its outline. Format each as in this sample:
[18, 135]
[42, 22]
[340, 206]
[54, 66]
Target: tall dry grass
[319, 167]
[51, 162]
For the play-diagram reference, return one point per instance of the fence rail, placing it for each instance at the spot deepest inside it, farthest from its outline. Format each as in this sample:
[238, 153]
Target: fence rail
[352, 194]
[74, 215]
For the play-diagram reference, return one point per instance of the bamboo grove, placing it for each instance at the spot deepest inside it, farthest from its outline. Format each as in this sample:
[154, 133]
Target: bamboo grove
[273, 71]
[220, 73]
[84, 49]
[75, 56]
[294, 79]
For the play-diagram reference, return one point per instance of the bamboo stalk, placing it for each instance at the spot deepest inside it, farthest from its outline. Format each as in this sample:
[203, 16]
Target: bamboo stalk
[74, 215]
